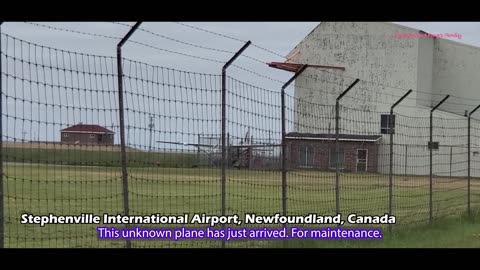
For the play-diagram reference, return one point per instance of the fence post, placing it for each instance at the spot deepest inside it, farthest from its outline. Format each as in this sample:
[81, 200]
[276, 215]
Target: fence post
[284, 143]
[122, 123]
[430, 146]
[391, 128]
[228, 151]
[337, 146]
[2, 212]
[469, 159]
[406, 159]
[150, 126]
[451, 153]
[224, 127]
[199, 161]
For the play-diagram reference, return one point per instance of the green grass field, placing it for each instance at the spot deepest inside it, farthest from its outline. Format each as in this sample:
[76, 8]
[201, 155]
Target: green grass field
[448, 233]
[72, 181]
[105, 156]
[73, 189]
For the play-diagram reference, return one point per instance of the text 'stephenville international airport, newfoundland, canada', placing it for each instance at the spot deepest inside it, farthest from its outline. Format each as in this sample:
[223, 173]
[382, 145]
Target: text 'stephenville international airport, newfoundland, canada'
[204, 219]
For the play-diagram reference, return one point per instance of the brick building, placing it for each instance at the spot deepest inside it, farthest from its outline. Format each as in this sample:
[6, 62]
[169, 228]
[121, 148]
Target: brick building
[358, 153]
[87, 134]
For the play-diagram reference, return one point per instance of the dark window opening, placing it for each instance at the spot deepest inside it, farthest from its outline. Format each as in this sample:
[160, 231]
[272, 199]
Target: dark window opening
[306, 156]
[387, 124]
[333, 158]
[433, 145]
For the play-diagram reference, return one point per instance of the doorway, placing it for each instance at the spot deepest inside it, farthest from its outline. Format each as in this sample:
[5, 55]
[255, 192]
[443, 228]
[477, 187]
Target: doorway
[362, 160]
[99, 139]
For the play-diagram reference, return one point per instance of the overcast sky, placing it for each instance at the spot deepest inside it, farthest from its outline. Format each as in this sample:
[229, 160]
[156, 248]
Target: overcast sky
[278, 37]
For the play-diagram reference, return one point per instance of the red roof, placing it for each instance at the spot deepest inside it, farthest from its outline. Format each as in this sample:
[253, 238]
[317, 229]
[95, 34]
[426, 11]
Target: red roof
[87, 128]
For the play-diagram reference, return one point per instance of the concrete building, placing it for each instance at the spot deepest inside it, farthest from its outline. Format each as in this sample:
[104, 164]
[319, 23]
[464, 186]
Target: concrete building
[388, 65]
[87, 134]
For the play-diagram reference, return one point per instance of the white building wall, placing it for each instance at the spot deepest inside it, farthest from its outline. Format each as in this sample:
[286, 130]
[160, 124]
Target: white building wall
[368, 50]
[456, 70]
[425, 71]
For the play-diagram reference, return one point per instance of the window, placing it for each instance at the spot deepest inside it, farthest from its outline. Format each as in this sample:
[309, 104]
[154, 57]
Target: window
[306, 156]
[433, 145]
[65, 134]
[92, 135]
[333, 158]
[387, 124]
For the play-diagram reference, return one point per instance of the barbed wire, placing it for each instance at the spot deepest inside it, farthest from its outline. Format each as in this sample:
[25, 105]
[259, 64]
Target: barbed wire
[354, 97]
[151, 46]
[176, 40]
[346, 76]
[72, 31]
[130, 41]
[210, 32]
[195, 45]
[387, 94]
[232, 38]
[175, 52]
[52, 48]
[400, 88]
[245, 69]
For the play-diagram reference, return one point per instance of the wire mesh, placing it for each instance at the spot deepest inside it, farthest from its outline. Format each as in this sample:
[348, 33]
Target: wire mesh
[167, 113]
[61, 153]
[46, 168]
[253, 177]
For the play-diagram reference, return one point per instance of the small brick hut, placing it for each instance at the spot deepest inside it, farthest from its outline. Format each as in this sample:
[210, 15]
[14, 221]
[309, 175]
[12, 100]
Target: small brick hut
[87, 134]
[358, 153]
